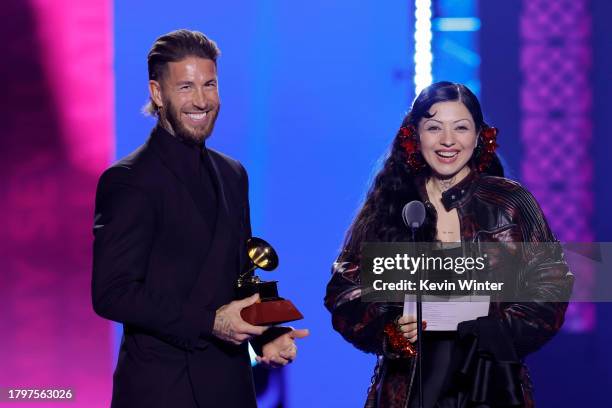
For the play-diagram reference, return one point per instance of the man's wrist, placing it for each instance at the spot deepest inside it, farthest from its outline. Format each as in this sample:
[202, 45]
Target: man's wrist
[207, 322]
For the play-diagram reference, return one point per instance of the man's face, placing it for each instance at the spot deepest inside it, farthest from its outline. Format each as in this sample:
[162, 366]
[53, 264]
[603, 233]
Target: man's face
[188, 98]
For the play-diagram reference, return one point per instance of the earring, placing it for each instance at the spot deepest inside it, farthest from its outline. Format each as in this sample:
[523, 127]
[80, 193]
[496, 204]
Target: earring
[408, 140]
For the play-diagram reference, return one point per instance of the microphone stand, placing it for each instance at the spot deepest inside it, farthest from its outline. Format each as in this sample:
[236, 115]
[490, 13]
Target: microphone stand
[419, 310]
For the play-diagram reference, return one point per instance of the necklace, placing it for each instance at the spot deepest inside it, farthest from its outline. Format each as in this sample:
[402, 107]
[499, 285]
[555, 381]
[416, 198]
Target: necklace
[443, 185]
[438, 187]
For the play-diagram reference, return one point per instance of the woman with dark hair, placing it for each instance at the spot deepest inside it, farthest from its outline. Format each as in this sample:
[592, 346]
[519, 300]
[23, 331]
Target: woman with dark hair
[444, 155]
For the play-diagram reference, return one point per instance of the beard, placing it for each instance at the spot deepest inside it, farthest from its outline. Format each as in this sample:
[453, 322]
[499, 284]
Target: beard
[190, 135]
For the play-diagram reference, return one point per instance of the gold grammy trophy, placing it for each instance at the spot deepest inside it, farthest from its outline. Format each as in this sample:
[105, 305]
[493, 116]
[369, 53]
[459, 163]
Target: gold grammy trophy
[271, 309]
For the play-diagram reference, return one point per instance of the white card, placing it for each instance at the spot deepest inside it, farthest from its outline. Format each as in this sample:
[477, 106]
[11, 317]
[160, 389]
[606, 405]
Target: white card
[447, 312]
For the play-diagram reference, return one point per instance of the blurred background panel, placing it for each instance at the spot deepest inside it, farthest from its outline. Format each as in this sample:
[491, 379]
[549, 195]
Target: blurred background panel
[312, 94]
[58, 115]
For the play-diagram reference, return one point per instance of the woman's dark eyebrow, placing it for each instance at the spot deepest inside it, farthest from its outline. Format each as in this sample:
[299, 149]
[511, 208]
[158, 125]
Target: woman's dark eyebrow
[435, 120]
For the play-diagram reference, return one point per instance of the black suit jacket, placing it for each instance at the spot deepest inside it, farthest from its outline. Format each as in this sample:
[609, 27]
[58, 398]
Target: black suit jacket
[152, 274]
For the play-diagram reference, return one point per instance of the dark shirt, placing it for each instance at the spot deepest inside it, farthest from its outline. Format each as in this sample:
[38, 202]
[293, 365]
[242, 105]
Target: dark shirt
[195, 162]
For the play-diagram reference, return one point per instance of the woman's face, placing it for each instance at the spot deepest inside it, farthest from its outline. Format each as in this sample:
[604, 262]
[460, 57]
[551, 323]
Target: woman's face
[448, 138]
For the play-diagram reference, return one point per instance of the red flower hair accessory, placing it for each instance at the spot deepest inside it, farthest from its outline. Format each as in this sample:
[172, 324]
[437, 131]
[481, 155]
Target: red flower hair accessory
[409, 142]
[486, 151]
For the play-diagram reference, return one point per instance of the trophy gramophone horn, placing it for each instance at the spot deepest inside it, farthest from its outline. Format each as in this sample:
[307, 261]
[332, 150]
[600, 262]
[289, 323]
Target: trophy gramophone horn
[261, 254]
[271, 309]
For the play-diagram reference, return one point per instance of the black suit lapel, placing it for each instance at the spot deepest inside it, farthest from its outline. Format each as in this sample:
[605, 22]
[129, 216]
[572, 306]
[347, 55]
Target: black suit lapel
[219, 257]
[222, 252]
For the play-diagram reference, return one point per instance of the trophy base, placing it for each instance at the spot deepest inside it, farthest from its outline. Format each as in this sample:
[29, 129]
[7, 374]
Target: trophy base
[271, 312]
[266, 290]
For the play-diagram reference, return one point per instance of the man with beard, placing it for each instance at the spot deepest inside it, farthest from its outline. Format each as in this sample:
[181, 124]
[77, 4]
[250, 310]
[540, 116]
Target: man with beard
[171, 223]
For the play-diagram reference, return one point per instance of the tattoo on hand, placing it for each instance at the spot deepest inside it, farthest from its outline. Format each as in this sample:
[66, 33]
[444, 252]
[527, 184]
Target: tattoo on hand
[223, 327]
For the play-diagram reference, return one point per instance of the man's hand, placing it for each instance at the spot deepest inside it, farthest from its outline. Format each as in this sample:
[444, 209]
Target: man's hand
[282, 350]
[229, 325]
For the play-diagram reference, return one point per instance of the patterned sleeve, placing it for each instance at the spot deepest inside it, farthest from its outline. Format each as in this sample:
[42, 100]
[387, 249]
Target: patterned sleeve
[360, 323]
[546, 279]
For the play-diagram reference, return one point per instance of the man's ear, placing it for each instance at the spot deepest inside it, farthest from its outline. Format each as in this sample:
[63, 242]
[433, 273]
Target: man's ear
[156, 93]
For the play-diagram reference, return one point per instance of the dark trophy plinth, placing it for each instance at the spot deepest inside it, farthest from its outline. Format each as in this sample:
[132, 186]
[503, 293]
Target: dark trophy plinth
[271, 308]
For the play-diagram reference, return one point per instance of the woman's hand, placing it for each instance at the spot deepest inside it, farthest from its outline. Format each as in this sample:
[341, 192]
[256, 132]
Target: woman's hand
[408, 326]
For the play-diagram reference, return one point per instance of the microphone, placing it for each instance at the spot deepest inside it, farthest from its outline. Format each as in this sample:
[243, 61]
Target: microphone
[413, 214]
